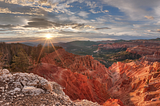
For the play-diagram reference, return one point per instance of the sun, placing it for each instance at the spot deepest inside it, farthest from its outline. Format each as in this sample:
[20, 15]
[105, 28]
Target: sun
[48, 36]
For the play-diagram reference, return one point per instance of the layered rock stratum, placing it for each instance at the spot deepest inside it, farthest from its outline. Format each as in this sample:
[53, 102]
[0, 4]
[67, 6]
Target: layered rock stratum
[135, 83]
[148, 49]
[76, 86]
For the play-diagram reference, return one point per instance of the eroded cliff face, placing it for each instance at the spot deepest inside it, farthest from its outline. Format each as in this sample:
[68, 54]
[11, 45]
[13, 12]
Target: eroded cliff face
[113, 102]
[148, 49]
[129, 44]
[149, 53]
[85, 65]
[76, 86]
[134, 83]
[116, 46]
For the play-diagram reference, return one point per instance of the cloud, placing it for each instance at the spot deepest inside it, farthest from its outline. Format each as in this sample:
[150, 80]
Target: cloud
[154, 31]
[20, 10]
[94, 12]
[91, 4]
[39, 23]
[102, 28]
[44, 23]
[7, 26]
[158, 30]
[100, 36]
[83, 14]
[32, 17]
[78, 26]
[105, 11]
[149, 17]
[88, 26]
[135, 9]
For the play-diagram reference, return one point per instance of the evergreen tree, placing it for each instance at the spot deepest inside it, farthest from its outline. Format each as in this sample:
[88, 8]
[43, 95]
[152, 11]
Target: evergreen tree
[37, 53]
[1, 60]
[21, 61]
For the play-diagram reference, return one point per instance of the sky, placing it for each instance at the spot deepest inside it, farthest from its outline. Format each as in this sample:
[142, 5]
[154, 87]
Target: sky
[69, 20]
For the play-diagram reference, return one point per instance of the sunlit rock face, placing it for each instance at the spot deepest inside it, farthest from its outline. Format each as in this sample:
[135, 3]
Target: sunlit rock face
[80, 70]
[113, 102]
[73, 62]
[86, 78]
[76, 86]
[85, 65]
[30, 89]
[136, 83]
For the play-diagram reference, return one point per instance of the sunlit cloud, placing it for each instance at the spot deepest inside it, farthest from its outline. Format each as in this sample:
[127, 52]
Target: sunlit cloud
[158, 30]
[79, 19]
[149, 17]
[83, 14]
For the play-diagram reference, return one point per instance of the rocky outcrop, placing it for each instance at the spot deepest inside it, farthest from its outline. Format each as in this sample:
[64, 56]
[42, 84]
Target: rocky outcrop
[149, 53]
[150, 50]
[85, 65]
[115, 46]
[145, 50]
[113, 102]
[129, 44]
[30, 89]
[136, 80]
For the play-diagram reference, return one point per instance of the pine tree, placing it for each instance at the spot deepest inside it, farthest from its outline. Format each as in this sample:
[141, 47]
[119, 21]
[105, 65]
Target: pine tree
[21, 62]
[37, 53]
[1, 61]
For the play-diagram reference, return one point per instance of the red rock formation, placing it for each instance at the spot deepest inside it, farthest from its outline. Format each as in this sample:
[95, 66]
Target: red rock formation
[135, 80]
[113, 102]
[85, 65]
[144, 50]
[149, 49]
[86, 78]
[76, 86]
[149, 53]
[131, 43]
[116, 45]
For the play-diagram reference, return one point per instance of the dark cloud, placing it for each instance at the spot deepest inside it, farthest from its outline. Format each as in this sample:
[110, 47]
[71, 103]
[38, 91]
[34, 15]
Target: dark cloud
[39, 23]
[7, 26]
[102, 28]
[44, 23]
[77, 26]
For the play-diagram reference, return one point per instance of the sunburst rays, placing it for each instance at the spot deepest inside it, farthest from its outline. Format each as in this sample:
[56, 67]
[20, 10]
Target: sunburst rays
[48, 42]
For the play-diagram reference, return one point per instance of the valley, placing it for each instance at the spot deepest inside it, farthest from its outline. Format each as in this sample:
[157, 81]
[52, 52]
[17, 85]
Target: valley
[107, 72]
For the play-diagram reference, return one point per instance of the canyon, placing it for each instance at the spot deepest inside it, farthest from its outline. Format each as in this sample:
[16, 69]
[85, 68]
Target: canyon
[149, 50]
[134, 83]
[82, 80]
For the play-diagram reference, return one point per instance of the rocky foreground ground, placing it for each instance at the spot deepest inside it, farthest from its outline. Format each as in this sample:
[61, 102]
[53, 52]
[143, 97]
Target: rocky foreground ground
[23, 89]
